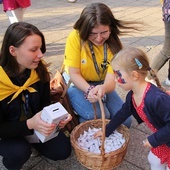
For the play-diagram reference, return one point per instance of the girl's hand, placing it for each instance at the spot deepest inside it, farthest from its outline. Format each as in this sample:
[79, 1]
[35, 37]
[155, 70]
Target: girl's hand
[98, 134]
[38, 124]
[146, 143]
[64, 122]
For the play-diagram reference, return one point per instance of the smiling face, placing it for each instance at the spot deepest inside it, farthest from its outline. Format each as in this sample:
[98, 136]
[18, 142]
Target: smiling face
[99, 34]
[29, 53]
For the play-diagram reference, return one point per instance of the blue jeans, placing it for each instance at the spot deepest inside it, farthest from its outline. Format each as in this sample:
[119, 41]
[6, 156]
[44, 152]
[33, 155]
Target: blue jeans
[112, 103]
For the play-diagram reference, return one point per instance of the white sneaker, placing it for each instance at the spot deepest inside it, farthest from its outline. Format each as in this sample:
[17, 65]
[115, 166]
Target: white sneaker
[72, 1]
[167, 82]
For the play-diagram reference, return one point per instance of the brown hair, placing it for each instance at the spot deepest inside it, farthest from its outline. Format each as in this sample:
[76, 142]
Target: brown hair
[15, 36]
[99, 13]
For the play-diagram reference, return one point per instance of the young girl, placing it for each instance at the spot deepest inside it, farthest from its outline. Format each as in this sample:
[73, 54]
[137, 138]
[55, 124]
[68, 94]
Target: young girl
[146, 102]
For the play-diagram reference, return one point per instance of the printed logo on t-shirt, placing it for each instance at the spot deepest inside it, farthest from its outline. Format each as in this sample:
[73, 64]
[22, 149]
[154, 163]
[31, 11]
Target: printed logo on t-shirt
[83, 61]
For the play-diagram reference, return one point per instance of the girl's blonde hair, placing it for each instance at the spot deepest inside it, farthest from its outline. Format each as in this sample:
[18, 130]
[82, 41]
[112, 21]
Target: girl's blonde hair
[134, 59]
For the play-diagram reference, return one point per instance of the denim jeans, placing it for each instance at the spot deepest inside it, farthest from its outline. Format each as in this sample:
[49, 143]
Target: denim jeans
[112, 103]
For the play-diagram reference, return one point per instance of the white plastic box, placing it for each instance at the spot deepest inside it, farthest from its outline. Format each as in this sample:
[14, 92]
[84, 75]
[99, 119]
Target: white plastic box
[52, 114]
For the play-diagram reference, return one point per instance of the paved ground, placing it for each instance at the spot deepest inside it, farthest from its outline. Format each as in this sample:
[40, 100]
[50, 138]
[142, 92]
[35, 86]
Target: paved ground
[55, 19]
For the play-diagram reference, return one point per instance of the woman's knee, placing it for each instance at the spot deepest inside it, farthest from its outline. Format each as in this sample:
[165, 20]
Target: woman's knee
[16, 157]
[58, 148]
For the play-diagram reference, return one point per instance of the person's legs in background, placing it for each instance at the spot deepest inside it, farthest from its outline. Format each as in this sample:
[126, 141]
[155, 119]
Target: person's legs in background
[164, 54]
[19, 12]
[15, 15]
[11, 16]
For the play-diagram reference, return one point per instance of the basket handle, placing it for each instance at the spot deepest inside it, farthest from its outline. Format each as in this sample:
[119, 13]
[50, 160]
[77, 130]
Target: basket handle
[94, 108]
[103, 122]
[103, 126]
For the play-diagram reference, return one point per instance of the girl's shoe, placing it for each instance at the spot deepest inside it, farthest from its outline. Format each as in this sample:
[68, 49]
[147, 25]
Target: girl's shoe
[72, 1]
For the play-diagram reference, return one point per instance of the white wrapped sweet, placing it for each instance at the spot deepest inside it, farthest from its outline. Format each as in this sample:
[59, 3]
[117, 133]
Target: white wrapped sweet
[87, 142]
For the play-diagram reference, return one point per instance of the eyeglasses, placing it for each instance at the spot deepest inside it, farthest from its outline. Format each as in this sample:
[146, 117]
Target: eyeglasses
[104, 34]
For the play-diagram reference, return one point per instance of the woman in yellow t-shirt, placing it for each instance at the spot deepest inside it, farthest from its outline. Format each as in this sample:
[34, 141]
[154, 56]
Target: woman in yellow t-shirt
[90, 48]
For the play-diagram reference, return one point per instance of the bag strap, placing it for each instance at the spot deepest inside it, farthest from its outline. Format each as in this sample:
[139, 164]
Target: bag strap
[65, 89]
[67, 85]
[62, 69]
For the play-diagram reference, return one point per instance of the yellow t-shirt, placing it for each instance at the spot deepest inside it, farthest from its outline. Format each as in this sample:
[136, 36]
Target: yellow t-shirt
[78, 55]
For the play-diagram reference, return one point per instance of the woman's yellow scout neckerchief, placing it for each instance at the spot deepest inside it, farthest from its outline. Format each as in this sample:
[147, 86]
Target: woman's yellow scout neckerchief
[7, 87]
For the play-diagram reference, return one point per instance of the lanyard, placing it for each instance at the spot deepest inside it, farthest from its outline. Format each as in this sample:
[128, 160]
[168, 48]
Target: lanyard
[104, 64]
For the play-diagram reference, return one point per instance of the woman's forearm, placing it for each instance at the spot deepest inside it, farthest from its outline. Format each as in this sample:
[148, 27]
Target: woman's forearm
[109, 83]
[79, 82]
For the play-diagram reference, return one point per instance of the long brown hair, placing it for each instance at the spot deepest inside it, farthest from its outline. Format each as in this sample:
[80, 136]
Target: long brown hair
[99, 13]
[15, 36]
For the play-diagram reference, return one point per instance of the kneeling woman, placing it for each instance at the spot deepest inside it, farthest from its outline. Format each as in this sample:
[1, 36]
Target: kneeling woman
[24, 91]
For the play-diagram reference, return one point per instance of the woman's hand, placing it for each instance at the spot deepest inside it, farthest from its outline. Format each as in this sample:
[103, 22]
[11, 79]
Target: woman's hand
[97, 91]
[64, 122]
[38, 124]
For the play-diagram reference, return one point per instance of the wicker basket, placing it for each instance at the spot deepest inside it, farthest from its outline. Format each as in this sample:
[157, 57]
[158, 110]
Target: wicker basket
[103, 161]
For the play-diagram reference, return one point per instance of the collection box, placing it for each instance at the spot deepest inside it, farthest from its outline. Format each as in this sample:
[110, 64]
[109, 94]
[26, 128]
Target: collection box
[52, 114]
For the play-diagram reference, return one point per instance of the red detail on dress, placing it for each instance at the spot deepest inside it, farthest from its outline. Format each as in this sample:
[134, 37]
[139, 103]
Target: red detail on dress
[162, 151]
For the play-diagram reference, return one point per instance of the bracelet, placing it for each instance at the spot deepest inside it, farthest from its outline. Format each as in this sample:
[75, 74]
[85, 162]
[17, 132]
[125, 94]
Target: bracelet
[88, 90]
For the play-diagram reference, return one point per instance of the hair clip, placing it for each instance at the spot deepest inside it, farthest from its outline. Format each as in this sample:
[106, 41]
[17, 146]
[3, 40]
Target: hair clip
[138, 63]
